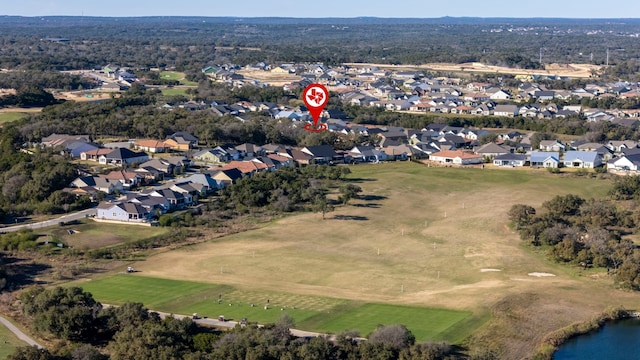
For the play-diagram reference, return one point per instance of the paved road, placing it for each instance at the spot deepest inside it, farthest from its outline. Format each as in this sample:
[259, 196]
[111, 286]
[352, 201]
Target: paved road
[22, 336]
[68, 217]
[231, 324]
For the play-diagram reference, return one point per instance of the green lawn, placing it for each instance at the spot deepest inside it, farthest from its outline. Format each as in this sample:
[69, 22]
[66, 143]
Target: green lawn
[8, 342]
[174, 92]
[175, 75]
[311, 313]
[6, 117]
[424, 323]
[93, 235]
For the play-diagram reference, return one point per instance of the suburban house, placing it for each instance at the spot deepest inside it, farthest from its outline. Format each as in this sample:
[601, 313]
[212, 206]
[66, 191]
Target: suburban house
[510, 160]
[215, 155]
[124, 211]
[225, 177]
[94, 155]
[626, 163]
[63, 140]
[546, 159]
[458, 157]
[107, 186]
[128, 178]
[176, 199]
[181, 141]
[552, 145]
[403, 152]
[247, 168]
[491, 150]
[152, 146]
[153, 204]
[76, 149]
[159, 164]
[205, 181]
[123, 157]
[582, 159]
[505, 110]
[366, 154]
[247, 150]
[321, 154]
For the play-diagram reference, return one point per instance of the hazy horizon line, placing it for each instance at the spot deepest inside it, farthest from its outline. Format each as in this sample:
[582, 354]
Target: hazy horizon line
[328, 17]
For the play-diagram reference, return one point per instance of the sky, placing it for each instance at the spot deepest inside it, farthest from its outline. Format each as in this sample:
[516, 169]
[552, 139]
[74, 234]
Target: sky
[328, 8]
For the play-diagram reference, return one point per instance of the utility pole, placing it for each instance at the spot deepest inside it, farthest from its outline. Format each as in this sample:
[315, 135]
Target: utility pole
[607, 57]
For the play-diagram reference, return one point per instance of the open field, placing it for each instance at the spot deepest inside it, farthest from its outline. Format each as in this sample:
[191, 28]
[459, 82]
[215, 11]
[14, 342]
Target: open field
[93, 235]
[269, 77]
[174, 92]
[84, 95]
[179, 76]
[8, 342]
[420, 237]
[568, 70]
[310, 312]
[6, 117]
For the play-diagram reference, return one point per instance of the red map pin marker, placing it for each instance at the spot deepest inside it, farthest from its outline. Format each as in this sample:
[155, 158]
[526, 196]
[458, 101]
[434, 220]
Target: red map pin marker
[316, 97]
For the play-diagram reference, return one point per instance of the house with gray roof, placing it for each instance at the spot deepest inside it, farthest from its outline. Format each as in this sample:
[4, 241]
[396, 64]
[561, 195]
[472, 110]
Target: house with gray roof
[122, 211]
[546, 159]
[581, 159]
[510, 160]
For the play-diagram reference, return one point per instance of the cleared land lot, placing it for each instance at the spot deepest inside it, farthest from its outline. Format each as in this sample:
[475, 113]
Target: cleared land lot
[436, 229]
[89, 234]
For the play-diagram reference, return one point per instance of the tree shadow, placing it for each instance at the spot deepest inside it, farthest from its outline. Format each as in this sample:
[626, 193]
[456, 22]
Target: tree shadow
[23, 272]
[360, 180]
[350, 217]
[372, 197]
[369, 205]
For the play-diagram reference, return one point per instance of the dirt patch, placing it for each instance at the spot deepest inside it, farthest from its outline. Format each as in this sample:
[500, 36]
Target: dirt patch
[269, 77]
[565, 70]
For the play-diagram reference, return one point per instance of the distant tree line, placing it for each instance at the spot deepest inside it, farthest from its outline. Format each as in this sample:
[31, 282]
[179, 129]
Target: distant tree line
[29, 97]
[44, 80]
[132, 332]
[189, 44]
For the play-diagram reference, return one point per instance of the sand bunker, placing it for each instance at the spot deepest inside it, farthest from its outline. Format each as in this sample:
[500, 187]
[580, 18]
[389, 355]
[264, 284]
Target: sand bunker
[489, 270]
[539, 274]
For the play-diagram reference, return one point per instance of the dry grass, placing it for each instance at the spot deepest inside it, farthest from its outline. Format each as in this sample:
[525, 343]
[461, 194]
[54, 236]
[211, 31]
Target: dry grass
[568, 70]
[411, 207]
[269, 77]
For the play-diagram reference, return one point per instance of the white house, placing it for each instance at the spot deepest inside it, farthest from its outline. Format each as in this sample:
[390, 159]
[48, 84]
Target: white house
[547, 159]
[582, 159]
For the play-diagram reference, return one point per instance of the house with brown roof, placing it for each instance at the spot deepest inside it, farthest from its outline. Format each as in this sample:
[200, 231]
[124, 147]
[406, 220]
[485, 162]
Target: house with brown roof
[457, 157]
[152, 146]
[247, 168]
[94, 155]
[128, 178]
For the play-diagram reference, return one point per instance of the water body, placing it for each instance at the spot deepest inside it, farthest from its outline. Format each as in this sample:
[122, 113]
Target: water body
[615, 341]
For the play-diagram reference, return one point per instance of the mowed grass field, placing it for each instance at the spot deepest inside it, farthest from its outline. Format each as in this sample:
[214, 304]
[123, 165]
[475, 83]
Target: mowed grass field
[310, 312]
[8, 342]
[420, 237]
[6, 117]
[89, 234]
[174, 92]
[174, 75]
